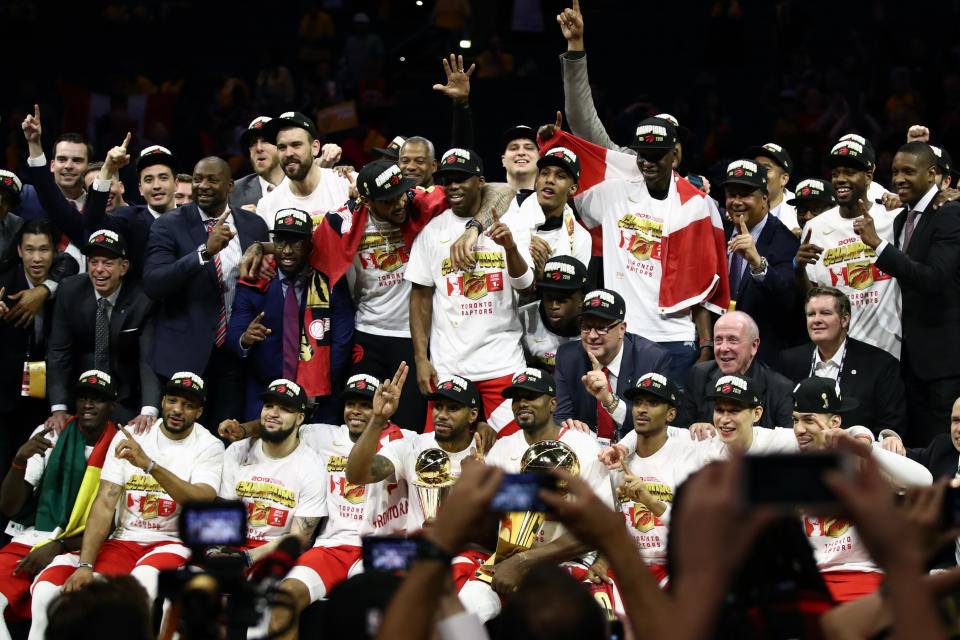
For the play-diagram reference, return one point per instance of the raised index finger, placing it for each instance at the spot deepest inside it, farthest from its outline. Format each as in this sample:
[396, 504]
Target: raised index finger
[223, 218]
[807, 239]
[124, 431]
[594, 362]
[576, 6]
[36, 111]
[126, 141]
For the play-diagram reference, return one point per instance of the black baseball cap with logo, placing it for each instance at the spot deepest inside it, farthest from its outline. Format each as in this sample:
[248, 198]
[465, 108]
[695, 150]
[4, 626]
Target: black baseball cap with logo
[254, 130]
[11, 183]
[362, 385]
[739, 388]
[458, 160]
[99, 382]
[457, 389]
[563, 158]
[292, 220]
[106, 240]
[286, 392]
[944, 161]
[519, 132]
[655, 134]
[285, 121]
[186, 383]
[852, 153]
[604, 303]
[746, 172]
[656, 384]
[820, 395]
[814, 190]
[392, 150]
[383, 180]
[563, 272]
[773, 151]
[530, 379]
[156, 154]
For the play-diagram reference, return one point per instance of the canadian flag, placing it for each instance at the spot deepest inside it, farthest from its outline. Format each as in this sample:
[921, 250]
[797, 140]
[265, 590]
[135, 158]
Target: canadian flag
[693, 247]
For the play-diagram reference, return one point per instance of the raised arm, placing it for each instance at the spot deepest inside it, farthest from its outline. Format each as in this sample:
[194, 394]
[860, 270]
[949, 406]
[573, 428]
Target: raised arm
[364, 466]
[458, 90]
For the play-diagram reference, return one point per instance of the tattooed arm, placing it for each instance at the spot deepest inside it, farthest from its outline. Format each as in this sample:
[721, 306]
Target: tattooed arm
[301, 528]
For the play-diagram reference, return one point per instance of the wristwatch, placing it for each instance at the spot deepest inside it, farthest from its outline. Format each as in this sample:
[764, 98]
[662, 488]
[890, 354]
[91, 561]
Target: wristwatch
[205, 256]
[760, 268]
[476, 225]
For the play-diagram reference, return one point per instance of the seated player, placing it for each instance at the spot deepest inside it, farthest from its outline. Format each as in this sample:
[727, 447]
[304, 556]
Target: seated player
[554, 319]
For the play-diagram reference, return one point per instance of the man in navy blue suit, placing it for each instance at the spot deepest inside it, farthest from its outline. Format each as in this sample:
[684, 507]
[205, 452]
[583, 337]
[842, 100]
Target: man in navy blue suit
[267, 320]
[191, 270]
[761, 251]
[593, 373]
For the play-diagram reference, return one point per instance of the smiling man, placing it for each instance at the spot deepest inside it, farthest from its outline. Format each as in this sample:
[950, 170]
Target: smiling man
[267, 173]
[418, 160]
[553, 320]
[520, 156]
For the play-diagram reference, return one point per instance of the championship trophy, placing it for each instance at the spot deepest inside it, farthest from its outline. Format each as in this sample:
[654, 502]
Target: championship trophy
[518, 529]
[433, 482]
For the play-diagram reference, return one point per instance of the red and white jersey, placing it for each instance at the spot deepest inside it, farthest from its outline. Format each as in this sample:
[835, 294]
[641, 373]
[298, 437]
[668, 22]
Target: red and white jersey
[146, 511]
[356, 510]
[403, 453]
[662, 473]
[836, 545]
[475, 330]
[508, 452]
[329, 195]
[849, 265]
[274, 490]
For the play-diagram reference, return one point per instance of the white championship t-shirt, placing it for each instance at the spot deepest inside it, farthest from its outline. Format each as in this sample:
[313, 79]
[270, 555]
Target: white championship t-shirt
[356, 510]
[380, 294]
[569, 238]
[329, 195]
[836, 545]
[475, 332]
[146, 511]
[403, 455]
[274, 490]
[539, 342]
[849, 265]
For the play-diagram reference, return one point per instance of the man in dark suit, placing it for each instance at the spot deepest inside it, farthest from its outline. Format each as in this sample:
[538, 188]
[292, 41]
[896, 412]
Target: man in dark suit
[761, 259]
[593, 374]
[265, 160]
[925, 260]
[736, 341]
[102, 322]
[863, 371]
[941, 455]
[268, 319]
[191, 270]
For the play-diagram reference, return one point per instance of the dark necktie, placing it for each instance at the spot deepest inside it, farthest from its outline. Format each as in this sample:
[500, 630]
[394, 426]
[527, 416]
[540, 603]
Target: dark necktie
[736, 273]
[101, 346]
[908, 228]
[222, 312]
[291, 331]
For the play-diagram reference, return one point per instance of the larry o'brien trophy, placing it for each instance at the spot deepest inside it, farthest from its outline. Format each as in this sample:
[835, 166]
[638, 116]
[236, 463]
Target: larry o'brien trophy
[433, 482]
[518, 529]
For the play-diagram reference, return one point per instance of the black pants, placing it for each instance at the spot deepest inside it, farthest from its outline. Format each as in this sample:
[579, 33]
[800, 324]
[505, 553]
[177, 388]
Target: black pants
[379, 356]
[225, 381]
[929, 404]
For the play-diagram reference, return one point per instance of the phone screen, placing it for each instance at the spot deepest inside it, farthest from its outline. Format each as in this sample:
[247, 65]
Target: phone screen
[388, 553]
[221, 523]
[518, 492]
[792, 480]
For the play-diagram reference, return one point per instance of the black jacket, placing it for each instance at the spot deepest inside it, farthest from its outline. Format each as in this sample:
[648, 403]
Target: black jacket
[774, 390]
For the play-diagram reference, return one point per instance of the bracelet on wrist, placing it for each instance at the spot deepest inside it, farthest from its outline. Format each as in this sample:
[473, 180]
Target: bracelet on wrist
[85, 564]
[18, 467]
[613, 404]
[706, 342]
[150, 466]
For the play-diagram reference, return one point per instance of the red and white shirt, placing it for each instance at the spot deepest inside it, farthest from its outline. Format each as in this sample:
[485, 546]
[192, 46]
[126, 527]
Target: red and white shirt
[836, 545]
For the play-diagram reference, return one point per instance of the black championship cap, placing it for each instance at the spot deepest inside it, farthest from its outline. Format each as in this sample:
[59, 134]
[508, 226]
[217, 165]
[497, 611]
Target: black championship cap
[814, 190]
[392, 150]
[655, 133]
[530, 379]
[286, 392]
[460, 161]
[254, 131]
[655, 384]
[773, 151]
[156, 154]
[457, 389]
[944, 161]
[739, 388]
[563, 272]
[669, 118]
[10, 182]
[820, 395]
[292, 220]
[519, 132]
[382, 180]
[563, 158]
[746, 172]
[97, 381]
[604, 303]
[361, 385]
[856, 137]
[107, 240]
[186, 383]
[285, 121]
[852, 153]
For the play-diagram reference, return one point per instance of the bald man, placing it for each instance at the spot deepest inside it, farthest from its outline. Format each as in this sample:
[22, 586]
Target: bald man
[736, 339]
[191, 270]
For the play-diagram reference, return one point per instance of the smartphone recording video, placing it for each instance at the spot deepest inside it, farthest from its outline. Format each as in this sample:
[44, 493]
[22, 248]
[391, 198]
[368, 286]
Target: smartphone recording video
[518, 492]
[214, 524]
[793, 480]
[388, 553]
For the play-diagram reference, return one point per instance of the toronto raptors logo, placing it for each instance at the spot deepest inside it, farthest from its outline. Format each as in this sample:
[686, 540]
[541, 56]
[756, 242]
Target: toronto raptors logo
[282, 388]
[521, 378]
[642, 518]
[395, 180]
[556, 275]
[727, 388]
[860, 275]
[595, 302]
[361, 385]
[99, 238]
[646, 383]
[641, 248]
[7, 180]
[187, 382]
[288, 220]
[92, 379]
[257, 125]
[805, 191]
[649, 138]
[474, 285]
[451, 160]
[738, 172]
[843, 151]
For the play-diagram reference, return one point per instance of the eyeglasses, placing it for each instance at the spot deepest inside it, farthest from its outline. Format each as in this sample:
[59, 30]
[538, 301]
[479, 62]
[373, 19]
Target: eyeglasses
[601, 331]
[283, 243]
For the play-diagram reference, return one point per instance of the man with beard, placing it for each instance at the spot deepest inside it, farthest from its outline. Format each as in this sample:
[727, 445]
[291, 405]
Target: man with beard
[834, 255]
[532, 394]
[307, 187]
[145, 479]
[267, 174]
[191, 270]
[51, 466]
[553, 320]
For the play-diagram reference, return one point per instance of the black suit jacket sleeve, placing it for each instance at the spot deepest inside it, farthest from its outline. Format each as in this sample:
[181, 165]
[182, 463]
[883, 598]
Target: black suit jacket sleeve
[64, 265]
[779, 281]
[942, 261]
[59, 362]
[164, 272]
[150, 392]
[462, 134]
[63, 214]
[565, 394]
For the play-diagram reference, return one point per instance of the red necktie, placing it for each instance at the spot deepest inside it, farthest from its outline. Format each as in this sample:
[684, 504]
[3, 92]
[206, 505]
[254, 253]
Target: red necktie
[291, 331]
[222, 312]
[604, 419]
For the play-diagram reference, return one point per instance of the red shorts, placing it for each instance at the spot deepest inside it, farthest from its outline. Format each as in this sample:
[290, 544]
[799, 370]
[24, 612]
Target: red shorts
[119, 557]
[493, 403]
[850, 585]
[659, 572]
[322, 568]
[464, 565]
[15, 588]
